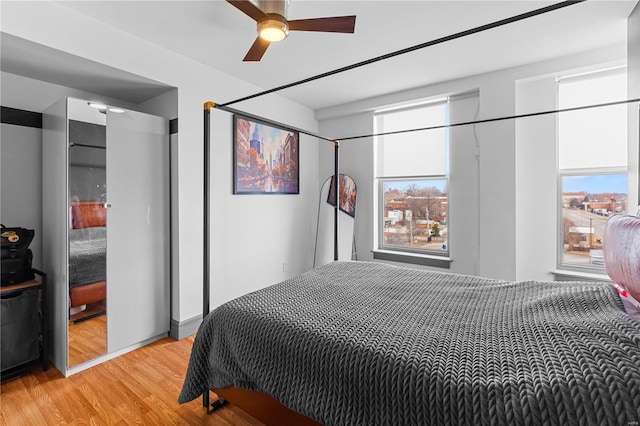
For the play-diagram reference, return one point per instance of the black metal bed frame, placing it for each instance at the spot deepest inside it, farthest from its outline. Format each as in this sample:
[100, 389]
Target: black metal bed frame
[210, 407]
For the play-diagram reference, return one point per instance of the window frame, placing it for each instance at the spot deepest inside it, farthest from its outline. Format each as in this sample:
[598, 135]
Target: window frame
[404, 249]
[561, 265]
[593, 171]
[427, 257]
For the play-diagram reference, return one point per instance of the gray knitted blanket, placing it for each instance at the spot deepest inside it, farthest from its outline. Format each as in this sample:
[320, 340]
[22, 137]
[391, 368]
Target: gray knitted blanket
[87, 256]
[358, 343]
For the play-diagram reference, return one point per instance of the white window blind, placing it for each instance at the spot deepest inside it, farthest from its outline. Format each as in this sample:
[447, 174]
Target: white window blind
[422, 153]
[594, 137]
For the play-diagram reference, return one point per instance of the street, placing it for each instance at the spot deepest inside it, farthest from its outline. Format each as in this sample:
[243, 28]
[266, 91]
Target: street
[586, 219]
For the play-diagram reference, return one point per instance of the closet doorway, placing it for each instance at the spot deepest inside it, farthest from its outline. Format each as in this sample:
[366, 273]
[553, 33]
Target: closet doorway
[106, 186]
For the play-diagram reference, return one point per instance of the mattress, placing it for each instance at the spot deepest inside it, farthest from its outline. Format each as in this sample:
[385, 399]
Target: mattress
[359, 343]
[87, 255]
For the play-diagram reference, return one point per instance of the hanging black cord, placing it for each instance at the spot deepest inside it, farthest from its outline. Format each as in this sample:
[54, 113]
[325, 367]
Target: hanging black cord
[414, 48]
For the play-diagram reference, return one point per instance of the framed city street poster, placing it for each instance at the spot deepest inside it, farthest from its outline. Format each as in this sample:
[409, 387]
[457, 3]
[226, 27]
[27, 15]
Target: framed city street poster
[265, 158]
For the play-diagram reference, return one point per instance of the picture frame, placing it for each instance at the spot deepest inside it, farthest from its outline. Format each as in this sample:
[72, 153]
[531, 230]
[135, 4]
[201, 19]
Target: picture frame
[348, 194]
[266, 157]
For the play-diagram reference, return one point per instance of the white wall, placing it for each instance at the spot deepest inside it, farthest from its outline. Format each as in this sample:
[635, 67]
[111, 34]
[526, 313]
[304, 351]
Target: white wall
[356, 158]
[276, 220]
[21, 163]
[463, 219]
[254, 236]
[536, 223]
[494, 193]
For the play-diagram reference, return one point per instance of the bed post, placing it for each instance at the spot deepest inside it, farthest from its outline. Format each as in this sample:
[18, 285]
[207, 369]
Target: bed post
[206, 221]
[205, 231]
[336, 208]
[208, 408]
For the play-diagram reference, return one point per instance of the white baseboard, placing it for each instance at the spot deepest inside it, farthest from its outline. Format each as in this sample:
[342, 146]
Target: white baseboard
[181, 329]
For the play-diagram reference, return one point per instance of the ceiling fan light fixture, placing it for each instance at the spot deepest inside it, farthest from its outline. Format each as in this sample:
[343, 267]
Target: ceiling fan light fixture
[273, 30]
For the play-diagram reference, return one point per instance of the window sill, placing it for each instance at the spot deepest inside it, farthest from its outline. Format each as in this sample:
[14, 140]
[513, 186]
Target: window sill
[566, 275]
[414, 258]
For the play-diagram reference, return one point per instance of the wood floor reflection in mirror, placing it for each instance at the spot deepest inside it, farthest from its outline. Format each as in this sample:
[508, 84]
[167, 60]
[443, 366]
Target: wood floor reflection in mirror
[88, 334]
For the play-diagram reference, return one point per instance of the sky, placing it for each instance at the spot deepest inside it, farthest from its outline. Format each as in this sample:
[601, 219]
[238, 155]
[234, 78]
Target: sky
[271, 137]
[404, 184]
[595, 184]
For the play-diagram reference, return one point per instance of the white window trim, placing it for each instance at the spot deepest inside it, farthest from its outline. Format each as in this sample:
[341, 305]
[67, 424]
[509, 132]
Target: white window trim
[566, 269]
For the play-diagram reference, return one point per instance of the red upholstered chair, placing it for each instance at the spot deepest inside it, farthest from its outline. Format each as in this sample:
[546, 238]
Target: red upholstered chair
[621, 249]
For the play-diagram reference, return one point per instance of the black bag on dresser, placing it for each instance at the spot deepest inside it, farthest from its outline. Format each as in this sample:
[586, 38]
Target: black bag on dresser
[15, 255]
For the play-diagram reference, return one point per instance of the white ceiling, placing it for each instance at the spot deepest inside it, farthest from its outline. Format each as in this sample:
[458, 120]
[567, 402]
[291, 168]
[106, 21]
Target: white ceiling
[215, 33]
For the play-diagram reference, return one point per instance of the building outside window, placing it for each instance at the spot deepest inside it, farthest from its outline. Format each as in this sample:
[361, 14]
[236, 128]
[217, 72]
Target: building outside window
[412, 173]
[592, 164]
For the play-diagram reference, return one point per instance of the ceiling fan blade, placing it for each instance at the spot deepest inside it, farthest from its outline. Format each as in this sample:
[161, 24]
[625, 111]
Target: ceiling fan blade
[249, 9]
[336, 24]
[256, 50]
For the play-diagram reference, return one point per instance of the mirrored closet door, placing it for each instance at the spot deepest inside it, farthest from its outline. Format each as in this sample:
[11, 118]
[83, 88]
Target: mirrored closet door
[105, 230]
[87, 192]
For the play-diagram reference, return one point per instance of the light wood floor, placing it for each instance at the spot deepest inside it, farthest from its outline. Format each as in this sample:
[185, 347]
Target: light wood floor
[140, 387]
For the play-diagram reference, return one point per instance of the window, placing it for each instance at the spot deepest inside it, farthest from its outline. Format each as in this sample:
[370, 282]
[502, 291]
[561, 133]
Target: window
[592, 163]
[412, 177]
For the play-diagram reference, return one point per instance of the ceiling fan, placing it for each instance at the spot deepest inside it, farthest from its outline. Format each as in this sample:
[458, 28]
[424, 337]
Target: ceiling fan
[273, 25]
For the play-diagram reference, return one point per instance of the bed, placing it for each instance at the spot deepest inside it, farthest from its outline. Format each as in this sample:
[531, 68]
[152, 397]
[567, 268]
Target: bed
[87, 253]
[363, 343]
